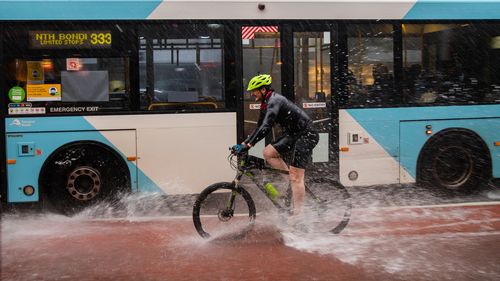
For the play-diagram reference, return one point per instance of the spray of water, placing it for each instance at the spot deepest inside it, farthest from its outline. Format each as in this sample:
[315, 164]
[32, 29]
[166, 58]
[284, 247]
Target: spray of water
[381, 235]
[430, 243]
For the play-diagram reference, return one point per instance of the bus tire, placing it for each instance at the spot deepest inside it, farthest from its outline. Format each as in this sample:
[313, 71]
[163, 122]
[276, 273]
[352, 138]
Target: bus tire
[454, 163]
[82, 174]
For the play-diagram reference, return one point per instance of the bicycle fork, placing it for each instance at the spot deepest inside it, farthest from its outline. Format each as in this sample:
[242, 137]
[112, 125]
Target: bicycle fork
[230, 206]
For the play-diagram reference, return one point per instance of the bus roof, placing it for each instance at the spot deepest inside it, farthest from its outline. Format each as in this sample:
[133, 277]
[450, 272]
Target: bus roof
[248, 9]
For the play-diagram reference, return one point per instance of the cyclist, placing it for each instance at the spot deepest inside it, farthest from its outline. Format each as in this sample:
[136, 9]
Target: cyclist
[298, 133]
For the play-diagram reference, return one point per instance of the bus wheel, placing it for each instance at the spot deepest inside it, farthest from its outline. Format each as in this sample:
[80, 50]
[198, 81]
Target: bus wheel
[82, 174]
[455, 163]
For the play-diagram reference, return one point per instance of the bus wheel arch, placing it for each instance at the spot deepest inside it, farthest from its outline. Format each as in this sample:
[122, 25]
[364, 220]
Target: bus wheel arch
[454, 161]
[82, 173]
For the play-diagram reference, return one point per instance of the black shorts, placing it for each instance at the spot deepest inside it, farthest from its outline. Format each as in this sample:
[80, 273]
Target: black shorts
[303, 145]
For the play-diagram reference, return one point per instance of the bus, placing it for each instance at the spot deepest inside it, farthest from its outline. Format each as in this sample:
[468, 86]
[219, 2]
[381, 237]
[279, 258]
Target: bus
[103, 97]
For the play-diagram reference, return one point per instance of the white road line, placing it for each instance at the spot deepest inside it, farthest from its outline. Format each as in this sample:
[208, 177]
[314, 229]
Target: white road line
[465, 204]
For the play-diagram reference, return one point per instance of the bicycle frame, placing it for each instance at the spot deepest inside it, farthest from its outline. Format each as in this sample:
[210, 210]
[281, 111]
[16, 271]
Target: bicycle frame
[248, 171]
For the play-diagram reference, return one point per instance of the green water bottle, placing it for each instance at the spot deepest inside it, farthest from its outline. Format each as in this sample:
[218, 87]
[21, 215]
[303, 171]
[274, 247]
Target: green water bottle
[271, 190]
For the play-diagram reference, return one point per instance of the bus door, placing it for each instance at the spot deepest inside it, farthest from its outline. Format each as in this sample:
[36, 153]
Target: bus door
[261, 54]
[312, 90]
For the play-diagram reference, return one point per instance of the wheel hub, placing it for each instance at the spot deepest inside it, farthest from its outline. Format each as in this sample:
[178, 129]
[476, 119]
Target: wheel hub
[225, 215]
[84, 183]
[453, 166]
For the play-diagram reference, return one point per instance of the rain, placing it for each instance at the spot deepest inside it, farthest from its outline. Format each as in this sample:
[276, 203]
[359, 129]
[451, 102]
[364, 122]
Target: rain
[121, 170]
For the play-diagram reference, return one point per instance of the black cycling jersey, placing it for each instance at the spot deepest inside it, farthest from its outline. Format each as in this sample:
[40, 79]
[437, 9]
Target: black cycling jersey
[277, 109]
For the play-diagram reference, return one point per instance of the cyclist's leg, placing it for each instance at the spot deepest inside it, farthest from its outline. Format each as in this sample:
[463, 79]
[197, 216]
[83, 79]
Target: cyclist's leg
[301, 158]
[298, 188]
[274, 151]
[273, 158]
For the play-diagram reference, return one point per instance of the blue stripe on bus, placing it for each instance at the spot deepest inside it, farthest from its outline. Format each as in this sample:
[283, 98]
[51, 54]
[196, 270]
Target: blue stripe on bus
[40, 130]
[383, 124]
[453, 9]
[76, 10]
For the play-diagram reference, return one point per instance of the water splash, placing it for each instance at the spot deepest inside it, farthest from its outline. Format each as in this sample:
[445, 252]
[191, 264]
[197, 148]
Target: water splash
[428, 243]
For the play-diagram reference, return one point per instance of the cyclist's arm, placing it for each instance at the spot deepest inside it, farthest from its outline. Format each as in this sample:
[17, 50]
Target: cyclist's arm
[265, 126]
[252, 135]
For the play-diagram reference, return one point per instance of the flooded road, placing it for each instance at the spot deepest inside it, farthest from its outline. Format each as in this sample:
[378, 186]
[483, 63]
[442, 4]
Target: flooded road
[449, 242]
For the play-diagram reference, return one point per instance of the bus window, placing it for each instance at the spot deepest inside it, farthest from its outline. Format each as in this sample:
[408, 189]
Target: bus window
[371, 65]
[451, 63]
[52, 83]
[181, 67]
[61, 69]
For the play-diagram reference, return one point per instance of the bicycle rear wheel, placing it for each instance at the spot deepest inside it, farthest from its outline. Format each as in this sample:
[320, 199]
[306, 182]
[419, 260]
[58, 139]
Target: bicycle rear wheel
[223, 210]
[327, 206]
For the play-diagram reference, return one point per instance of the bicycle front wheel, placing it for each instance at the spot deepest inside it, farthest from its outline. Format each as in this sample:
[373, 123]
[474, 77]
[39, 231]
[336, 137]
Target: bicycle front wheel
[223, 209]
[327, 205]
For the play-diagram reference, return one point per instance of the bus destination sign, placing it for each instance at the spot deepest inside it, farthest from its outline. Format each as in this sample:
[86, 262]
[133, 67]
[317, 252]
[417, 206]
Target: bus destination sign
[47, 39]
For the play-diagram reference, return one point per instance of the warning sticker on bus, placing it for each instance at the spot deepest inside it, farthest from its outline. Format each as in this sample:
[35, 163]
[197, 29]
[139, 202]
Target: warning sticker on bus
[44, 92]
[314, 104]
[254, 106]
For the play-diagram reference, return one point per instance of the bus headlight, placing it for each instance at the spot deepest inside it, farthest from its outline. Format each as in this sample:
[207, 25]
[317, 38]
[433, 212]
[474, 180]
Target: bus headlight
[29, 190]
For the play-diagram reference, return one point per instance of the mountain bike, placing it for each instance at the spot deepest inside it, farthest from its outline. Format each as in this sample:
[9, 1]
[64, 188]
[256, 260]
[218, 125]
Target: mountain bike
[227, 208]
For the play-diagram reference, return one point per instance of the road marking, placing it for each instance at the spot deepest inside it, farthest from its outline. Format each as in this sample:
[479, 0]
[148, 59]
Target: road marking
[465, 204]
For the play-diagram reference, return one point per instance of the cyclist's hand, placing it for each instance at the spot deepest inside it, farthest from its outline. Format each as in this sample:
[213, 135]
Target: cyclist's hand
[239, 148]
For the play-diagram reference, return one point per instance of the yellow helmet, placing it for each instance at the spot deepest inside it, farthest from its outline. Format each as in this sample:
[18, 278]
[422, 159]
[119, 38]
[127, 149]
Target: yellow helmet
[259, 81]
